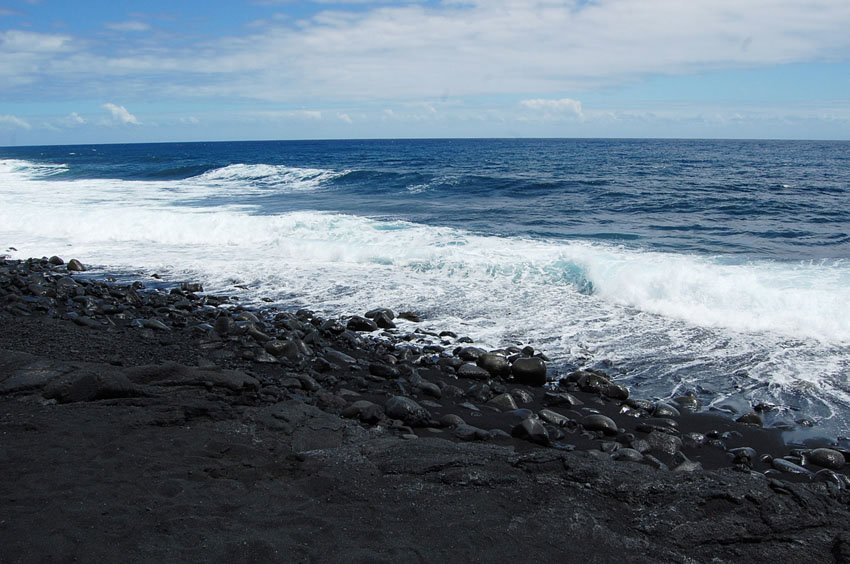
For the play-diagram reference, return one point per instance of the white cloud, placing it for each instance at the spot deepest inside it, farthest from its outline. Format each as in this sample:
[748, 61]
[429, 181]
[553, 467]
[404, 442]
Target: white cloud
[561, 105]
[14, 121]
[453, 49]
[190, 120]
[344, 117]
[16, 41]
[120, 114]
[128, 26]
[72, 120]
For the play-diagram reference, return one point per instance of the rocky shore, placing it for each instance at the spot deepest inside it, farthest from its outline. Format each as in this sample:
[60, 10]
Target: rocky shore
[151, 421]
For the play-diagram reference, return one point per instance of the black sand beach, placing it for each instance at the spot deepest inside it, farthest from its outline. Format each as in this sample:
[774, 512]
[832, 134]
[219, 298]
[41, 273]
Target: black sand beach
[161, 424]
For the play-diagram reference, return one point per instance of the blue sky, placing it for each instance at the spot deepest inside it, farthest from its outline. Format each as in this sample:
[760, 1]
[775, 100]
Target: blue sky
[120, 71]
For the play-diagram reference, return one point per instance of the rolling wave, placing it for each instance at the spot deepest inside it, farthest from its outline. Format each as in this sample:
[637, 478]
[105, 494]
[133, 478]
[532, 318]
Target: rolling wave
[784, 325]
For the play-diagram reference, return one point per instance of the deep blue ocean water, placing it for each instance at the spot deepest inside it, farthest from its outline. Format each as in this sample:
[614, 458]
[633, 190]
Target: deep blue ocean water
[720, 267]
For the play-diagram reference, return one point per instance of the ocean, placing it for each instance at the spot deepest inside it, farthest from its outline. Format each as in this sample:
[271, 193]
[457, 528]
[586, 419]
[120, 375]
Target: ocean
[715, 267]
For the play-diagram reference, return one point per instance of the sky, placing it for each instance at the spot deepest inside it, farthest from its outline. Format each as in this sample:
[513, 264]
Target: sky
[114, 71]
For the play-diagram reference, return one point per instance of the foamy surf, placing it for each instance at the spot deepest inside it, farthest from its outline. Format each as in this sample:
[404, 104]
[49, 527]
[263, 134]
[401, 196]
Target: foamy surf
[773, 331]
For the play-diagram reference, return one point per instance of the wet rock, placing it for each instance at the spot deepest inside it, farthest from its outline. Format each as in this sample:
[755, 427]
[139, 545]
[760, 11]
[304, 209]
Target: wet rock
[590, 382]
[470, 354]
[743, 455]
[192, 287]
[410, 316]
[684, 464]
[473, 371]
[155, 324]
[663, 409]
[451, 420]
[385, 311]
[529, 370]
[531, 429]
[408, 411]
[598, 422]
[358, 323]
[339, 358]
[523, 397]
[826, 458]
[616, 391]
[365, 411]
[553, 417]
[833, 479]
[687, 402]
[627, 455]
[561, 398]
[664, 442]
[383, 370]
[469, 433]
[429, 389]
[495, 364]
[503, 401]
[75, 266]
[751, 418]
[223, 325]
[55, 261]
[384, 321]
[790, 468]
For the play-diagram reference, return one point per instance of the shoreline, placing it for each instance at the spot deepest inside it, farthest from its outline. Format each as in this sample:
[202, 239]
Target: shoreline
[329, 392]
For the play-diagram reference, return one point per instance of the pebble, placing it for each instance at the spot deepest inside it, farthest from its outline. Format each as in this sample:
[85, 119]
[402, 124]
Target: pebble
[598, 422]
[663, 409]
[470, 354]
[664, 442]
[790, 468]
[473, 371]
[751, 418]
[529, 370]
[75, 266]
[495, 364]
[561, 398]
[358, 323]
[408, 411]
[553, 417]
[503, 401]
[827, 458]
[366, 411]
[521, 396]
[627, 455]
[451, 420]
[531, 429]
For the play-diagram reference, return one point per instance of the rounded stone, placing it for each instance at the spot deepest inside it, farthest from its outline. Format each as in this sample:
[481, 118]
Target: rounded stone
[593, 383]
[408, 411]
[663, 409]
[495, 364]
[599, 422]
[827, 458]
[504, 401]
[751, 418]
[529, 370]
[451, 420]
[470, 354]
[532, 430]
[76, 266]
[358, 323]
[616, 391]
[473, 371]
[627, 455]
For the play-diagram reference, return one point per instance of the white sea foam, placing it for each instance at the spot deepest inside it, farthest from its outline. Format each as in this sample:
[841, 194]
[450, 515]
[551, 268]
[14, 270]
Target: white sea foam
[674, 320]
[277, 177]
